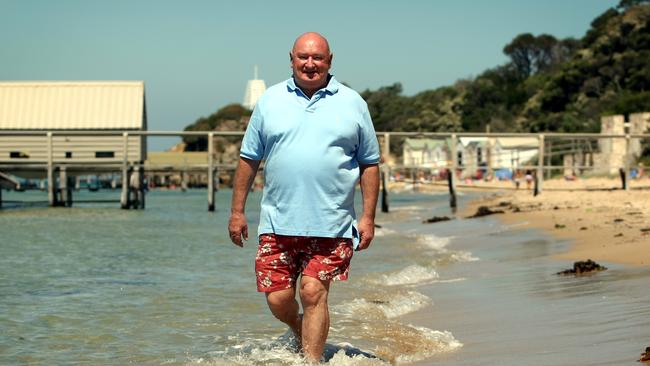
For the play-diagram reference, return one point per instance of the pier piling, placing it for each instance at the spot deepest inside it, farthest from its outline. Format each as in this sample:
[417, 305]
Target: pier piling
[124, 197]
[451, 176]
[384, 190]
[65, 188]
[210, 172]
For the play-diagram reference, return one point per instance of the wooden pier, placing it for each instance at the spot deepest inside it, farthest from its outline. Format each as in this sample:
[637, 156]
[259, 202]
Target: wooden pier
[51, 162]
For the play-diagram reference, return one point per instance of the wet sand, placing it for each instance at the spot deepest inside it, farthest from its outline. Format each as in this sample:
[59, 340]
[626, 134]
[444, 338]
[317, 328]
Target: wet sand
[602, 221]
[612, 226]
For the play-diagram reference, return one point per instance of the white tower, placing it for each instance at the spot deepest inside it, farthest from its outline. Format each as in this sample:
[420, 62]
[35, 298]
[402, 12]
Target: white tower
[254, 89]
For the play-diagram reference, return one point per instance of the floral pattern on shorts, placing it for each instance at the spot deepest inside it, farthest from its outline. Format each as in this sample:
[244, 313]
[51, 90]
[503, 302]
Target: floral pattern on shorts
[281, 259]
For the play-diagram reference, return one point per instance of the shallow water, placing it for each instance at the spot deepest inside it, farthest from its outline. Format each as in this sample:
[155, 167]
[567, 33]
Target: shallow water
[98, 285]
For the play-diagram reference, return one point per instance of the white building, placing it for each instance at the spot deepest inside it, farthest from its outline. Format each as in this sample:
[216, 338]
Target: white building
[254, 90]
[473, 153]
[425, 153]
[62, 106]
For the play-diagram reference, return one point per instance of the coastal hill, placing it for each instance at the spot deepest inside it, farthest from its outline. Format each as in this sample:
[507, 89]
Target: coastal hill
[233, 117]
[548, 84]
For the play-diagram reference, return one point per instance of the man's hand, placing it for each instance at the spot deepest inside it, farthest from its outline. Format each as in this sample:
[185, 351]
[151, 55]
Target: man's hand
[238, 228]
[244, 176]
[366, 228]
[370, 190]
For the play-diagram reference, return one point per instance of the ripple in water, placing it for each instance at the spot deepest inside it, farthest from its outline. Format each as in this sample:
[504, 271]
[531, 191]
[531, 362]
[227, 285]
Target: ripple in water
[441, 253]
[388, 305]
[411, 275]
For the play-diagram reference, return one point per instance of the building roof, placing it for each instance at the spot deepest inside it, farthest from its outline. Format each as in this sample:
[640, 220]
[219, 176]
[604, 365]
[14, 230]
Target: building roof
[72, 105]
[518, 142]
[422, 143]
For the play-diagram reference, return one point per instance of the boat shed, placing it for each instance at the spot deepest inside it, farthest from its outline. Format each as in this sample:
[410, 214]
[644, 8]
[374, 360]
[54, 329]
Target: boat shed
[79, 127]
[95, 107]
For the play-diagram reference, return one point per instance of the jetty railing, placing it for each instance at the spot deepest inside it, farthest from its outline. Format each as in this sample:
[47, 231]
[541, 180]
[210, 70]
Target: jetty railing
[589, 152]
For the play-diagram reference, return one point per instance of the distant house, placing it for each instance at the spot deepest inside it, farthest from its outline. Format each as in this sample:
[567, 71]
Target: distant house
[474, 154]
[513, 152]
[62, 106]
[425, 153]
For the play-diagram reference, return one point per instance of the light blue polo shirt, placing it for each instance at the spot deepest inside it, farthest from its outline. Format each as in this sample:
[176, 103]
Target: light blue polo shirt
[312, 150]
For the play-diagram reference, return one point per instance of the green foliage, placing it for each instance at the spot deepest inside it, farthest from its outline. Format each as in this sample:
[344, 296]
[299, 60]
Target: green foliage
[550, 84]
[221, 118]
[625, 4]
[628, 102]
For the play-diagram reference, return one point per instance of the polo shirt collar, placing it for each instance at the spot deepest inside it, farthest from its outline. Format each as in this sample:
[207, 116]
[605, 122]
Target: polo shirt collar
[331, 88]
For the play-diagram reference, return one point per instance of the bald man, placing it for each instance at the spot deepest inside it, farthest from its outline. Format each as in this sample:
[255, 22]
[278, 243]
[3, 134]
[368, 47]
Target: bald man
[317, 141]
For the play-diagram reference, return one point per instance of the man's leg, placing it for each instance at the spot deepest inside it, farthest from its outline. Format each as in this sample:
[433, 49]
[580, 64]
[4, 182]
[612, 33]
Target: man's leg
[284, 306]
[316, 321]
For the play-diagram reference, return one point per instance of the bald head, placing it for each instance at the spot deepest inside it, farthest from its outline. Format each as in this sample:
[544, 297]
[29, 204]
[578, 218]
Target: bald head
[311, 60]
[311, 38]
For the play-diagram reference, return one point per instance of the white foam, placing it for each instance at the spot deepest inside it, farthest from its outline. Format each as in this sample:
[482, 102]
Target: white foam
[407, 208]
[463, 256]
[431, 342]
[439, 247]
[433, 242]
[410, 275]
[262, 353]
[391, 307]
[381, 232]
[341, 359]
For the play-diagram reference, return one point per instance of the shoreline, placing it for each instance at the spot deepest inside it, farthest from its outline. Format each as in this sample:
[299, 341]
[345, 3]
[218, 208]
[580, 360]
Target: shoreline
[602, 221]
[604, 225]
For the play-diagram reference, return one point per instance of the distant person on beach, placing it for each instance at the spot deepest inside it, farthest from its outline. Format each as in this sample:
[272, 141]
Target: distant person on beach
[517, 178]
[529, 179]
[317, 140]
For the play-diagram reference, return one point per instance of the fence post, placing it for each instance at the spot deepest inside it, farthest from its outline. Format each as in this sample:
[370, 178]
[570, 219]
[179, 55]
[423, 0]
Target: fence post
[549, 157]
[124, 198]
[540, 166]
[386, 146]
[454, 167]
[626, 163]
[384, 189]
[63, 187]
[51, 181]
[210, 171]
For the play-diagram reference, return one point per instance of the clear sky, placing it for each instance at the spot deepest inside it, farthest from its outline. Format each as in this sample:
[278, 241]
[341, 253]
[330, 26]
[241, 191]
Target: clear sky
[196, 56]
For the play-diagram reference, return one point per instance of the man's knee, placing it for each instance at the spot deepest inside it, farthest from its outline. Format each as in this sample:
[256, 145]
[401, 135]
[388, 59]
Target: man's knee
[313, 292]
[280, 300]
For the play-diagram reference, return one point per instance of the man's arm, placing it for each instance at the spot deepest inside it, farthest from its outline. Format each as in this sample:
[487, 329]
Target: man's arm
[369, 190]
[244, 176]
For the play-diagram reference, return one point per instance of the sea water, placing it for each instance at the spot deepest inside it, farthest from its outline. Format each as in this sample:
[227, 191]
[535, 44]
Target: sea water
[97, 285]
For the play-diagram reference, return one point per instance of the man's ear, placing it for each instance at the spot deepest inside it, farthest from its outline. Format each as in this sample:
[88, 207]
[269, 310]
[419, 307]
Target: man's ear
[331, 57]
[290, 57]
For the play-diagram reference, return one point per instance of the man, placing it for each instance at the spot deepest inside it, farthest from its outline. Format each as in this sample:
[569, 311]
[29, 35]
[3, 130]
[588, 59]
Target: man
[317, 140]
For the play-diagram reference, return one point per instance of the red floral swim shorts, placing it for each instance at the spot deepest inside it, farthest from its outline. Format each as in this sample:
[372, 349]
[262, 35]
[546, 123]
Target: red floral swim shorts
[280, 259]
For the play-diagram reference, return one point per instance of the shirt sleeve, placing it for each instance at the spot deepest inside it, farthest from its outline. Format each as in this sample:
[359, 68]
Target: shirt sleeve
[252, 146]
[368, 151]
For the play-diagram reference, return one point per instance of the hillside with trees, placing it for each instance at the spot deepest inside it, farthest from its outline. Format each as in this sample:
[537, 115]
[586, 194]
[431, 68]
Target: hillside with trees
[548, 84]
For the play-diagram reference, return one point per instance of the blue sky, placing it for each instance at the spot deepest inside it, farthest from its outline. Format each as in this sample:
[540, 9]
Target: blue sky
[196, 56]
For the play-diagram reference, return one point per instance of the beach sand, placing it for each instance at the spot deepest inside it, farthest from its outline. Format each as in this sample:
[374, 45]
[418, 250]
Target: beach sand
[610, 225]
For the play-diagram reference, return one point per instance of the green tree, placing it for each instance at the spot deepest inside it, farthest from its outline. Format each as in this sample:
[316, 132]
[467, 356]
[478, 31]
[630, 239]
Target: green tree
[230, 112]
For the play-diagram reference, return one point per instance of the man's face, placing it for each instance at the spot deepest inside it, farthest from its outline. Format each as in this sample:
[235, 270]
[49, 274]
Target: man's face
[311, 61]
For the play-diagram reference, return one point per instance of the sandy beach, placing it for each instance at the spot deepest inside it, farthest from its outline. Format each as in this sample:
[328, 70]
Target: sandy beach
[610, 225]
